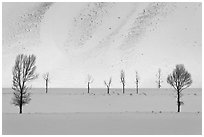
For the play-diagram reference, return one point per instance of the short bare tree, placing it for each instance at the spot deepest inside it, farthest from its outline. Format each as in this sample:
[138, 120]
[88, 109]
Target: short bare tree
[108, 84]
[137, 82]
[180, 79]
[23, 72]
[46, 77]
[159, 81]
[89, 81]
[122, 79]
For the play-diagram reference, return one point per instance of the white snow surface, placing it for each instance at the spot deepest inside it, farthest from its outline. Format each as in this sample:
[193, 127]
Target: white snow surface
[77, 100]
[73, 111]
[103, 123]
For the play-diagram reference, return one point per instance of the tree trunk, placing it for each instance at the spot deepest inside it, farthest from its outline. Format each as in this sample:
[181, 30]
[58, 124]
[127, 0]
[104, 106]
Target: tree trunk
[46, 86]
[123, 89]
[159, 85]
[137, 89]
[20, 112]
[108, 90]
[88, 87]
[21, 102]
[178, 101]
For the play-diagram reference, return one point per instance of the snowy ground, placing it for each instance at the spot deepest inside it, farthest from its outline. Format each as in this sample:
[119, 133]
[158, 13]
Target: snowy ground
[73, 100]
[70, 112]
[103, 123]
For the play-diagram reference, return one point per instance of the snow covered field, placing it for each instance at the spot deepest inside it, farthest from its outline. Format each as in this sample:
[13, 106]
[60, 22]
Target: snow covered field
[72, 40]
[72, 111]
[77, 100]
[103, 123]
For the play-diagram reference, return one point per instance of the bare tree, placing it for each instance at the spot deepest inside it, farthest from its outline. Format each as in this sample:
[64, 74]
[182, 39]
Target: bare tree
[89, 81]
[180, 79]
[137, 82]
[159, 81]
[108, 84]
[47, 79]
[122, 79]
[23, 72]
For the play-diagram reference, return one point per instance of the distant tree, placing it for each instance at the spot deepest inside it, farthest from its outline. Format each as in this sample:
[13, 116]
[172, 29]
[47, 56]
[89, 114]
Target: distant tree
[122, 79]
[180, 79]
[89, 81]
[137, 82]
[47, 79]
[23, 72]
[108, 84]
[159, 81]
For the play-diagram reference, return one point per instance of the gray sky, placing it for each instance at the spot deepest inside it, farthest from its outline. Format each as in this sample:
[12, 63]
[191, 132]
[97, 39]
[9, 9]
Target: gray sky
[72, 40]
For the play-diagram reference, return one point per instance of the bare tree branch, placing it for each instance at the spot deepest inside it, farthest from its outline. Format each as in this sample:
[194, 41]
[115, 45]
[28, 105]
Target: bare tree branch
[46, 77]
[137, 81]
[180, 79]
[108, 84]
[159, 81]
[89, 81]
[23, 72]
[122, 79]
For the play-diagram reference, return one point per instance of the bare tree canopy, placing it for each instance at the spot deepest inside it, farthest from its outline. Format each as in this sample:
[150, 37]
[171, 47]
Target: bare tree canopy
[180, 79]
[46, 77]
[108, 84]
[159, 81]
[122, 79]
[89, 81]
[137, 81]
[122, 76]
[90, 78]
[23, 72]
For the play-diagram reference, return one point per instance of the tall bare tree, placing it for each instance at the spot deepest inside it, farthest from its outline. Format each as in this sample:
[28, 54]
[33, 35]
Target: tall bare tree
[89, 81]
[108, 84]
[23, 72]
[180, 79]
[137, 82]
[122, 79]
[46, 77]
[159, 81]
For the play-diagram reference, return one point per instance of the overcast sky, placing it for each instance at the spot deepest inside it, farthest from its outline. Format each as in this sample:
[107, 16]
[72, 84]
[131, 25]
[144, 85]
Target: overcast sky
[72, 40]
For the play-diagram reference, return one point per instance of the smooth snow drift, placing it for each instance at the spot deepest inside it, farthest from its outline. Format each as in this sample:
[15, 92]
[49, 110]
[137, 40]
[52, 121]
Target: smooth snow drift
[73, 111]
[103, 124]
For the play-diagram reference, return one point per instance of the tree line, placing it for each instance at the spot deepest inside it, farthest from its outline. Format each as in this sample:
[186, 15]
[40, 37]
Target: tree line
[24, 71]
